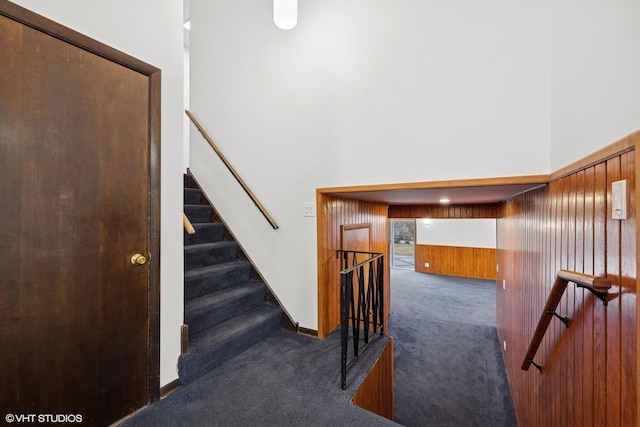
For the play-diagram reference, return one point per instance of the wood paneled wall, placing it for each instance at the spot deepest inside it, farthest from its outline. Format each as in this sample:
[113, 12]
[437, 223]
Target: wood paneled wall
[450, 260]
[376, 392]
[479, 263]
[443, 211]
[590, 369]
[332, 213]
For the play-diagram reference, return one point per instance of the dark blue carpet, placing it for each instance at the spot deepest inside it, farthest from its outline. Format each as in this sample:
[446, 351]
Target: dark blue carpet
[285, 380]
[448, 368]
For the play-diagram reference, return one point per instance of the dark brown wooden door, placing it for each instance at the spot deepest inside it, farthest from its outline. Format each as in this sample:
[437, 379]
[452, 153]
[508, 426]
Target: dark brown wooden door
[74, 208]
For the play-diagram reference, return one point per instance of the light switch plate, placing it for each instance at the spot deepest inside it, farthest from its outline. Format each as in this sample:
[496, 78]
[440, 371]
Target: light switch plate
[309, 209]
[619, 200]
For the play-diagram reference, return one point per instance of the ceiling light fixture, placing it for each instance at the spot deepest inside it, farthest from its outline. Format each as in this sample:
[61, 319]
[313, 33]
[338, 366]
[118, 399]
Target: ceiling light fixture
[285, 14]
[444, 200]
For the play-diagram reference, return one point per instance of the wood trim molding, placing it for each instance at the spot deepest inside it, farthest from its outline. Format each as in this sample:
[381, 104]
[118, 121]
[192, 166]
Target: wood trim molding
[54, 29]
[356, 226]
[155, 167]
[184, 339]
[481, 182]
[626, 144]
[637, 219]
[307, 331]
[167, 389]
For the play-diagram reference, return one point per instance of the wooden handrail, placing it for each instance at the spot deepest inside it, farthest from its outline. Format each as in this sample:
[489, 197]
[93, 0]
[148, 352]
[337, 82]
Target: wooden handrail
[188, 227]
[235, 174]
[599, 286]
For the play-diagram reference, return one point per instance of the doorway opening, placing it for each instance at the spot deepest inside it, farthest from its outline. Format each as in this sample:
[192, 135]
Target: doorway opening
[403, 239]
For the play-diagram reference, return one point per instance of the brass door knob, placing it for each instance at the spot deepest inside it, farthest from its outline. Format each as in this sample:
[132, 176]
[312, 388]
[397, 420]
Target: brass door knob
[138, 259]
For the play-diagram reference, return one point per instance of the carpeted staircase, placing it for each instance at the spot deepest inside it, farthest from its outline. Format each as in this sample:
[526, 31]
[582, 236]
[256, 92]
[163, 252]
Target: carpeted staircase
[226, 307]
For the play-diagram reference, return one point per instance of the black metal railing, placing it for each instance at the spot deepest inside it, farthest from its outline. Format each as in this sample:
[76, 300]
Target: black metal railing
[361, 304]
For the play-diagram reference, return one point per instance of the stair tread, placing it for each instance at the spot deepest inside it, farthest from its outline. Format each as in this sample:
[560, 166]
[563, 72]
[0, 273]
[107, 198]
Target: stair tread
[211, 253]
[200, 281]
[198, 246]
[226, 311]
[197, 225]
[215, 268]
[205, 232]
[233, 328]
[198, 212]
[212, 309]
[207, 302]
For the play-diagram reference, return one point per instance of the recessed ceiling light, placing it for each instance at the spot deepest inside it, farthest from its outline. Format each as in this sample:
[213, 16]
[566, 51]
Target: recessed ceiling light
[444, 200]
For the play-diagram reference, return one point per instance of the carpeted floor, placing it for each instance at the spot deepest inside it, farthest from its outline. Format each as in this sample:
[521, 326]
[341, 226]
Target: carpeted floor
[285, 380]
[448, 370]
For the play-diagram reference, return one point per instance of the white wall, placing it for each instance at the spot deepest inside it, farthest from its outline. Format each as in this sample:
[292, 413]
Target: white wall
[150, 30]
[595, 57]
[186, 103]
[469, 233]
[186, 15]
[360, 92]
